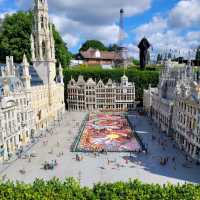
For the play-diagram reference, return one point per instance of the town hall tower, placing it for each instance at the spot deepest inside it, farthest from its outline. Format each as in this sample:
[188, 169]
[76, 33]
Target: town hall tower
[42, 43]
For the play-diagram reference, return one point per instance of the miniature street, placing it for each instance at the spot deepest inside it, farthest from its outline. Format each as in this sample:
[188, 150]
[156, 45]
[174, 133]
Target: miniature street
[101, 167]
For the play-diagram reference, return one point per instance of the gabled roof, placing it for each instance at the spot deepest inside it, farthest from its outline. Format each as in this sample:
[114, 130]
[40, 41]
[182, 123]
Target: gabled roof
[13, 82]
[90, 81]
[105, 55]
[81, 80]
[35, 78]
[100, 83]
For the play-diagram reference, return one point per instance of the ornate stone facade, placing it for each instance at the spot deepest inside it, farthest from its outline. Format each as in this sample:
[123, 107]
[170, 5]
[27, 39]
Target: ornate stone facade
[31, 97]
[147, 98]
[186, 118]
[91, 95]
[174, 106]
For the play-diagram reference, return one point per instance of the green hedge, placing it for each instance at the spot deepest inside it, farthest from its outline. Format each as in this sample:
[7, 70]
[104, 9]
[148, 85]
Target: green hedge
[71, 190]
[141, 78]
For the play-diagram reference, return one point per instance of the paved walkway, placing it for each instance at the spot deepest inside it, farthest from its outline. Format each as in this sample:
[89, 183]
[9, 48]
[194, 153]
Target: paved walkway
[94, 169]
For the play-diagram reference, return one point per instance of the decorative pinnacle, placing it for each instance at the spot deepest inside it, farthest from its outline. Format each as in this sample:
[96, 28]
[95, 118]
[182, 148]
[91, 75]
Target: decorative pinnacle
[25, 62]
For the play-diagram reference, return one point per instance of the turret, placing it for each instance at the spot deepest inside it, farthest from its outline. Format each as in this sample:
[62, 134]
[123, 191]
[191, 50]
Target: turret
[60, 73]
[32, 48]
[10, 67]
[26, 76]
[40, 4]
[6, 89]
[124, 81]
[189, 70]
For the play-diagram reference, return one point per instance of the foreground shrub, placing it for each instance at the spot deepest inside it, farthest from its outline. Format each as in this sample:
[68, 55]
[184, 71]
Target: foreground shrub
[71, 190]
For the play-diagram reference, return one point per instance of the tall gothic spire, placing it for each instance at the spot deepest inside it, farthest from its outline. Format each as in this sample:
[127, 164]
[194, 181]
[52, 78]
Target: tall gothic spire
[41, 38]
[42, 43]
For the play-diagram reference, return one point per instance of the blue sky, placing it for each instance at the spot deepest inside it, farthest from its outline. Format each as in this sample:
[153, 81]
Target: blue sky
[167, 24]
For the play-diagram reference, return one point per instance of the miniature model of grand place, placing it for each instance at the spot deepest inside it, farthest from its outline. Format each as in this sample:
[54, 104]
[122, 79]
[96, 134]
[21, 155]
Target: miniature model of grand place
[91, 95]
[31, 97]
[174, 106]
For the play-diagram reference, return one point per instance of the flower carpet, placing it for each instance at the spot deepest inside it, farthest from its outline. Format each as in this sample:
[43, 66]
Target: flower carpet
[108, 132]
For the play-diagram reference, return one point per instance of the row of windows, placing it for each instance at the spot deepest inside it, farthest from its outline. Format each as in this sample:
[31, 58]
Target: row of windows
[187, 108]
[88, 91]
[103, 97]
[22, 102]
[8, 115]
[189, 122]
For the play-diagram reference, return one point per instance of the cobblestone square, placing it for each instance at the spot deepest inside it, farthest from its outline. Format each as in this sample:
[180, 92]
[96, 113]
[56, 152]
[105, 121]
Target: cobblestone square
[94, 168]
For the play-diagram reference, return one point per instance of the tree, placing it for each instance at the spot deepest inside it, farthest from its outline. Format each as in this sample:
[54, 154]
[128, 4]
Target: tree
[15, 39]
[136, 62]
[63, 56]
[198, 56]
[113, 47]
[95, 44]
[15, 36]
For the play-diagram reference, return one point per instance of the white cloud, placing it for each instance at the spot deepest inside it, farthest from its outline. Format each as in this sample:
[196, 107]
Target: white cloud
[75, 31]
[90, 19]
[156, 25]
[185, 14]
[133, 51]
[9, 12]
[165, 35]
[71, 40]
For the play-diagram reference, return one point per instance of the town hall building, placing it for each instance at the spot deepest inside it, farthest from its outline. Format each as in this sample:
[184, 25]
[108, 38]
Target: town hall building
[31, 96]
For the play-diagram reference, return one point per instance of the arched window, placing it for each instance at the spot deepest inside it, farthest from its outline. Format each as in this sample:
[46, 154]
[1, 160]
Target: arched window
[42, 21]
[43, 49]
[35, 46]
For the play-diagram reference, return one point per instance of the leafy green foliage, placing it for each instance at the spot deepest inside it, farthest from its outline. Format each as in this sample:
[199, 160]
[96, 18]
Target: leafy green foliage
[113, 47]
[136, 62]
[15, 34]
[95, 44]
[63, 56]
[141, 78]
[71, 190]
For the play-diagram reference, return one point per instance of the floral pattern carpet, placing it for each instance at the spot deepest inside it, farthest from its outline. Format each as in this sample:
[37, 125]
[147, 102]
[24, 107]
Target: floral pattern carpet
[108, 132]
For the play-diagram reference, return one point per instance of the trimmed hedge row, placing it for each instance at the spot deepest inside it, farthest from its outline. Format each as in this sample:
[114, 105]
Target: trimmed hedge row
[71, 190]
[142, 79]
